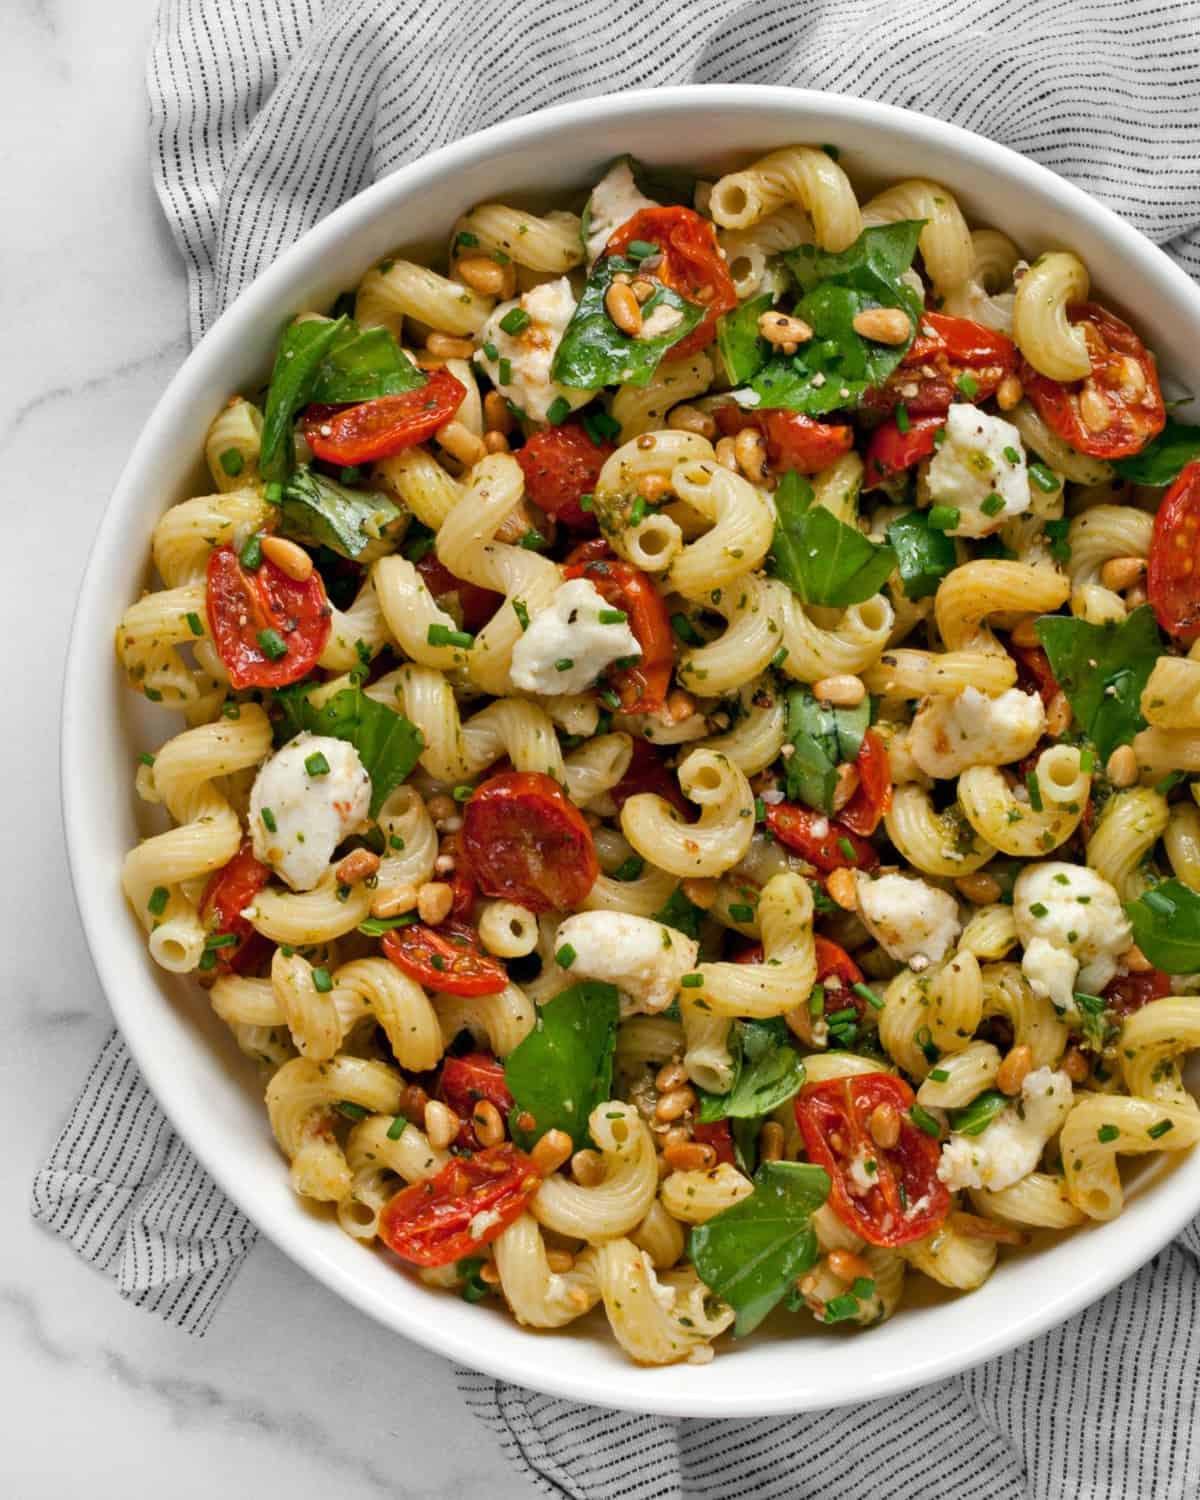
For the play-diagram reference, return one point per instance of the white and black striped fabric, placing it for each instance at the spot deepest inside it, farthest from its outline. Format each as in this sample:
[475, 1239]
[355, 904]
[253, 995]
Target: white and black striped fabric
[264, 118]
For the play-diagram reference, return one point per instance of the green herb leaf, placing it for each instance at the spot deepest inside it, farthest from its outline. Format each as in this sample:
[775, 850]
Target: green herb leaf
[821, 559]
[1163, 458]
[823, 738]
[1166, 927]
[298, 357]
[1103, 669]
[563, 1068]
[923, 555]
[743, 349]
[594, 352]
[767, 1072]
[388, 744]
[680, 913]
[362, 365]
[316, 509]
[750, 1254]
[974, 1118]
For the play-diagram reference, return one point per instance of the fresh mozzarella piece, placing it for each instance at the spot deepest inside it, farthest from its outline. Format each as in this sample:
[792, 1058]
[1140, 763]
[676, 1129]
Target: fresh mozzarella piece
[570, 642]
[950, 734]
[643, 958]
[981, 457]
[1072, 926]
[529, 353]
[1011, 1146]
[615, 198]
[312, 810]
[907, 918]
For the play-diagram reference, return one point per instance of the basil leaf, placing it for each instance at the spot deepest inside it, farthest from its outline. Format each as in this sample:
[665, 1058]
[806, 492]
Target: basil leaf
[1166, 927]
[874, 263]
[362, 366]
[681, 914]
[768, 1071]
[1103, 669]
[563, 1068]
[388, 744]
[821, 559]
[1163, 458]
[298, 359]
[750, 1254]
[923, 555]
[974, 1118]
[744, 351]
[745, 1134]
[594, 352]
[823, 739]
[316, 509]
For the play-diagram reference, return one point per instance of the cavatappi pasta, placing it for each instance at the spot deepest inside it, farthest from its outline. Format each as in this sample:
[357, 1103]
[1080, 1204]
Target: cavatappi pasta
[686, 710]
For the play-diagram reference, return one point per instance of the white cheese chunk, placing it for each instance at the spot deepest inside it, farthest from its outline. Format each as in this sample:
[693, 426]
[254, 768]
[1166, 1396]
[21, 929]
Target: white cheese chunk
[907, 918]
[313, 811]
[530, 352]
[951, 733]
[645, 959]
[614, 199]
[975, 463]
[568, 644]
[1011, 1146]
[1072, 926]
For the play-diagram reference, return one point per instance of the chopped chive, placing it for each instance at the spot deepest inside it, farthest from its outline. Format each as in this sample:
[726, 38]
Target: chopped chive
[231, 709]
[1012, 455]
[463, 793]
[322, 980]
[377, 926]
[600, 427]
[944, 517]
[816, 1001]
[565, 956]
[397, 1128]
[232, 462]
[924, 1039]
[901, 414]
[157, 903]
[515, 320]
[587, 502]
[865, 992]
[504, 371]
[272, 645]
[207, 961]
[940, 1075]
[521, 613]
[194, 624]
[684, 629]
[847, 849]
[250, 556]
[351, 1110]
[863, 1287]
[1038, 909]
[558, 411]
[968, 386]
[1160, 1129]
[146, 758]
[692, 981]
[466, 238]
[1043, 477]
[220, 940]
[610, 700]
[1107, 1133]
[268, 818]
[1086, 759]
[395, 841]
[741, 913]
[838, 1017]
[1033, 786]
[351, 474]
[640, 249]
[491, 352]
[637, 511]
[274, 493]
[841, 1307]
[939, 437]
[760, 810]
[993, 505]
[629, 869]
[316, 764]
[780, 657]
[442, 635]
[613, 617]
[923, 1120]
[564, 664]
[532, 540]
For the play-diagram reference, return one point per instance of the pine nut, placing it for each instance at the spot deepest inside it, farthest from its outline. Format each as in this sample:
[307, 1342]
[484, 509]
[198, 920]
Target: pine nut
[1135, 960]
[690, 1157]
[778, 328]
[587, 1166]
[770, 1142]
[846, 785]
[461, 443]
[288, 557]
[671, 1105]
[489, 1273]
[1024, 632]
[847, 1266]
[495, 442]
[643, 290]
[560, 1261]
[979, 888]
[1135, 596]
[440, 807]
[394, 900]
[1093, 409]
[882, 325]
[680, 705]
[843, 690]
[652, 487]
[1009, 393]
[678, 1135]
[751, 454]
[446, 346]
[441, 1124]
[1133, 377]
[884, 1125]
[978, 1228]
[359, 864]
[1122, 767]
[842, 888]
[670, 1076]
[413, 1100]
[1118, 573]
[434, 901]
[482, 275]
[1075, 1065]
[496, 415]
[691, 419]
[622, 307]
[1058, 716]
[1015, 1068]
[489, 1126]
[701, 892]
[445, 864]
[551, 1151]
[727, 454]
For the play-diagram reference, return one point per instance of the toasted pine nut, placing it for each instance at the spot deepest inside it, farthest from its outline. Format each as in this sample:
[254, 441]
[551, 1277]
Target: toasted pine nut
[496, 415]
[778, 328]
[842, 888]
[1058, 715]
[1135, 596]
[1118, 573]
[622, 307]
[680, 705]
[846, 786]
[884, 1125]
[678, 1135]
[461, 443]
[643, 290]
[441, 1124]
[551, 1151]
[288, 557]
[686, 418]
[1093, 409]
[979, 1228]
[1122, 767]
[727, 454]
[692, 1156]
[701, 892]
[393, 900]
[440, 807]
[434, 900]
[671, 1075]
[413, 1100]
[489, 1273]
[677, 1102]
[1009, 393]
[847, 1266]
[1024, 632]
[843, 690]
[770, 1141]
[1075, 1065]
[587, 1166]
[652, 487]
[482, 275]
[978, 888]
[1133, 376]
[495, 442]
[1014, 1070]
[446, 346]
[359, 864]
[808, 1284]
[882, 325]
[560, 1261]
[445, 864]
[1135, 960]
[751, 454]
[489, 1126]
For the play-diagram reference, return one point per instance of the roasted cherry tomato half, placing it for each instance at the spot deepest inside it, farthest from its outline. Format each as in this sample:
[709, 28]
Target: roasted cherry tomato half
[476, 605]
[1034, 672]
[692, 265]
[648, 772]
[376, 429]
[717, 1135]
[1172, 578]
[228, 892]
[641, 687]
[526, 842]
[950, 359]
[793, 440]
[561, 465]
[464, 1082]
[891, 451]
[1119, 407]
[1129, 992]
[834, 962]
[446, 958]
[470, 1201]
[905, 1199]
[873, 795]
[824, 842]
[268, 629]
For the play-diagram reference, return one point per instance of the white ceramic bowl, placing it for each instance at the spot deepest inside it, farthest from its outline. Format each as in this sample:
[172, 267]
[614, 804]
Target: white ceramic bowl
[207, 1089]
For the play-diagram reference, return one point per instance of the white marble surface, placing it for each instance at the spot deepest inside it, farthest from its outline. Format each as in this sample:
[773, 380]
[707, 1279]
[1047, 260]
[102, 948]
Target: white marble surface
[292, 1393]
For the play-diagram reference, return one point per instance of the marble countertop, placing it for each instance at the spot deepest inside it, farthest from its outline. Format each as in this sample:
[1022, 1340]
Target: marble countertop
[292, 1393]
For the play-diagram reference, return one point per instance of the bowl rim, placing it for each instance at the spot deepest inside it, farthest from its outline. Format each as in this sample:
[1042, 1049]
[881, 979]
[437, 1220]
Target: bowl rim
[619, 1387]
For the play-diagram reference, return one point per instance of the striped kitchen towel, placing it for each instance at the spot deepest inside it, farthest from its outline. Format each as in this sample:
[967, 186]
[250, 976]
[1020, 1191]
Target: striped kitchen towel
[265, 117]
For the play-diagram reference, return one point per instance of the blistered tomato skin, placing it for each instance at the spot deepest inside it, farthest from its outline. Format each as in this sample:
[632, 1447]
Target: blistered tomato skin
[561, 466]
[387, 425]
[269, 629]
[692, 265]
[1172, 577]
[526, 842]
[471, 1201]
